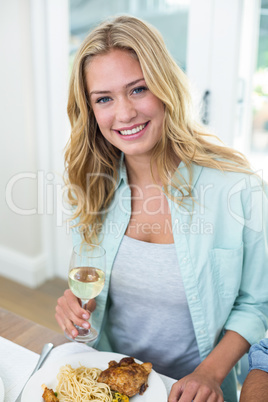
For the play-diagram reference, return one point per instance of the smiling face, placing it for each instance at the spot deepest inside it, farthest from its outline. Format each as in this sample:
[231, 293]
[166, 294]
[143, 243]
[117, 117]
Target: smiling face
[129, 116]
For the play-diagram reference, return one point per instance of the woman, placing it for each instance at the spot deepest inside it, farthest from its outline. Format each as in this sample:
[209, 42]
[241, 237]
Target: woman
[179, 217]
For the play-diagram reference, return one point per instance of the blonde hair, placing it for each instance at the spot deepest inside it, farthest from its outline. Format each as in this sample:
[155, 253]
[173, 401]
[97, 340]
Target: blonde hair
[90, 155]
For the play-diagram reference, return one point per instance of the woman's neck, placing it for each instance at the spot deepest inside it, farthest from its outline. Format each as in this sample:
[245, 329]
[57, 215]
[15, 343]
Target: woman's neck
[139, 170]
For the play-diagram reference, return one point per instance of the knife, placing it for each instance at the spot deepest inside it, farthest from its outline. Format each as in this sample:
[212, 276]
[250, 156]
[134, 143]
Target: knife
[44, 354]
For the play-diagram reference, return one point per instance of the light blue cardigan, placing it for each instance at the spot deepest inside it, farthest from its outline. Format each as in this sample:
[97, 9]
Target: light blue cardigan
[222, 249]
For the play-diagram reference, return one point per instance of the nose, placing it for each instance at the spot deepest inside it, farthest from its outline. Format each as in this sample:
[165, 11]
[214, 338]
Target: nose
[125, 110]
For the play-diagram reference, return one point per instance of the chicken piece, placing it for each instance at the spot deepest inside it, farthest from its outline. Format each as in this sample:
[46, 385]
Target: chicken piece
[49, 395]
[127, 376]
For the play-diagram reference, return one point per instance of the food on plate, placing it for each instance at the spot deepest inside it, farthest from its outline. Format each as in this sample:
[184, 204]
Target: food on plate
[116, 384]
[80, 384]
[127, 376]
[119, 397]
[49, 395]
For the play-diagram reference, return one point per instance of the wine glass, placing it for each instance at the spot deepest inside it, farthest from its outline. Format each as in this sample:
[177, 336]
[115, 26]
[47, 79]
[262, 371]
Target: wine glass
[86, 280]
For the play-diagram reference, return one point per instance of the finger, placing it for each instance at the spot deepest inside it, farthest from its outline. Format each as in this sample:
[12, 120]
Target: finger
[91, 305]
[205, 394]
[71, 318]
[59, 321]
[71, 308]
[74, 304]
[189, 392]
[69, 312]
[71, 331]
[215, 398]
[65, 324]
[176, 391]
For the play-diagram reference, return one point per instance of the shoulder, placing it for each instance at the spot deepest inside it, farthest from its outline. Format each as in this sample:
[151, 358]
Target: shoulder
[233, 193]
[232, 182]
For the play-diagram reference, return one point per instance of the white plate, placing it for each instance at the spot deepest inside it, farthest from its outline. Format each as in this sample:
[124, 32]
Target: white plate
[156, 392]
[2, 391]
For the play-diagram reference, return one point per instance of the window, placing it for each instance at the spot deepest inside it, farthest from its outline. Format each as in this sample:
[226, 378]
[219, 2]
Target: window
[170, 17]
[259, 135]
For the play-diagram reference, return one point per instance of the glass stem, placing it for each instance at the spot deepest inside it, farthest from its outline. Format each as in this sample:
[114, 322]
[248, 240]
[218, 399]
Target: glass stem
[84, 303]
[84, 306]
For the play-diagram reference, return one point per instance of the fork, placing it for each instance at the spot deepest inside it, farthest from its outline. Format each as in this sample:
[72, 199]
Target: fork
[45, 352]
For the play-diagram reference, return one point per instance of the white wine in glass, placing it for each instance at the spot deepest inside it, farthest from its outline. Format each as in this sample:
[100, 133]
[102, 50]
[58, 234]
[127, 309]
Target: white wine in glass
[86, 280]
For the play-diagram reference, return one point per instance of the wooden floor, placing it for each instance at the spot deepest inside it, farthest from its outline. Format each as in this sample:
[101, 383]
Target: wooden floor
[35, 304]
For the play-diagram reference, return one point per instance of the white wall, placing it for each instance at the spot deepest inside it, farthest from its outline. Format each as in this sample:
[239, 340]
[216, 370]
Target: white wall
[32, 73]
[19, 234]
[50, 35]
[18, 143]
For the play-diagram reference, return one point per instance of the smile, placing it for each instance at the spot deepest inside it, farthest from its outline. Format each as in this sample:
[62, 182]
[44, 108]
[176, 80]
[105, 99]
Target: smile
[134, 130]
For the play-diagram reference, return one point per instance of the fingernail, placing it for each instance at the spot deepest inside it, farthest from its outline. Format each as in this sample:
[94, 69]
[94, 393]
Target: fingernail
[85, 316]
[85, 325]
[73, 332]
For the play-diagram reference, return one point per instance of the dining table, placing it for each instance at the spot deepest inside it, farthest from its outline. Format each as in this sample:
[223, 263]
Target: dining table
[21, 342]
[26, 333]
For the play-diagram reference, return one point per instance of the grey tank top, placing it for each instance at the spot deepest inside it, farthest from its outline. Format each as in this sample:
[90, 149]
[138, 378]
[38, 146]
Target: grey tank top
[149, 317]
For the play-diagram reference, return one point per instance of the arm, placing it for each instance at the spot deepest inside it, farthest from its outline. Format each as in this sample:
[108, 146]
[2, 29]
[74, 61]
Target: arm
[249, 315]
[205, 381]
[255, 387]
[247, 321]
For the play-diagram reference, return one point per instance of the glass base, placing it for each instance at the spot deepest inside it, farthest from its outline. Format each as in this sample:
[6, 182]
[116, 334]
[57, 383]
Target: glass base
[84, 335]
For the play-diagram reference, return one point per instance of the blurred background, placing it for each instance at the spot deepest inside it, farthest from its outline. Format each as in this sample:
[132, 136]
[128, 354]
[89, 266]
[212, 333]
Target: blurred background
[221, 45]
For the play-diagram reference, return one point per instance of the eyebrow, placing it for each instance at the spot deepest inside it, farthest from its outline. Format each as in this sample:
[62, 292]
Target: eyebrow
[130, 84]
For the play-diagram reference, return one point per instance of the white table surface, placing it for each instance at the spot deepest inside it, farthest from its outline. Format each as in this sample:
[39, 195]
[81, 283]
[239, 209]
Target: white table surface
[17, 364]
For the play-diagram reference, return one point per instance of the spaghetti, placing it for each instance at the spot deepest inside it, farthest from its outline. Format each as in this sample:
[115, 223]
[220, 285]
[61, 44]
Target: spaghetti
[80, 385]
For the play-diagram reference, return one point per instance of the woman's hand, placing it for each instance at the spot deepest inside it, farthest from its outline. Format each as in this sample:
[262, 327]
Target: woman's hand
[199, 386]
[203, 385]
[70, 312]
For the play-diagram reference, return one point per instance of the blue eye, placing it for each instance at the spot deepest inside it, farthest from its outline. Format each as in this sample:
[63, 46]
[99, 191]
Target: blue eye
[105, 99]
[139, 90]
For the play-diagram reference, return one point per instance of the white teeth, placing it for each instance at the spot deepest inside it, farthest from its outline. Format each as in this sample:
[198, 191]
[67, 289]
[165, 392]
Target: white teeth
[133, 131]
